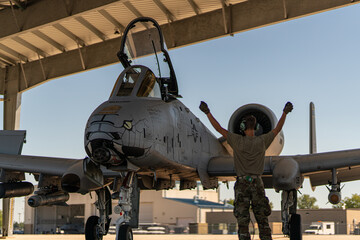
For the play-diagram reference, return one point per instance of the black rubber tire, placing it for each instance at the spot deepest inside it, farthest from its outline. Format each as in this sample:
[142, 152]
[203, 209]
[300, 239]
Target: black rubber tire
[125, 233]
[91, 229]
[295, 227]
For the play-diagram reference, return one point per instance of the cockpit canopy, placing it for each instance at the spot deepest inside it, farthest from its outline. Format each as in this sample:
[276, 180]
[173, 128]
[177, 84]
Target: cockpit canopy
[137, 81]
[143, 44]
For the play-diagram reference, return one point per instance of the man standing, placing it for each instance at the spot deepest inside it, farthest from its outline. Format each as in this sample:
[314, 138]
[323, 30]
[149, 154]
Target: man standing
[249, 158]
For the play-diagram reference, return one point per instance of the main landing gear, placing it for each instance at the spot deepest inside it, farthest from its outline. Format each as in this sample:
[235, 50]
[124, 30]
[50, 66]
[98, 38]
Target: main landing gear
[291, 221]
[127, 209]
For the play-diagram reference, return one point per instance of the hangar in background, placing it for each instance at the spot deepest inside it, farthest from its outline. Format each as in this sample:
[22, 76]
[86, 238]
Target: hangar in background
[182, 207]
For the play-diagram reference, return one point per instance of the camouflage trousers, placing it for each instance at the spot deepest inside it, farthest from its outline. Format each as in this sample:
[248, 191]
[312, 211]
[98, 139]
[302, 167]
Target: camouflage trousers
[251, 194]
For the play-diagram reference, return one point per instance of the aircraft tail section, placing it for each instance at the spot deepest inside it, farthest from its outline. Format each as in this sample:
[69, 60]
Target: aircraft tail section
[11, 142]
[312, 146]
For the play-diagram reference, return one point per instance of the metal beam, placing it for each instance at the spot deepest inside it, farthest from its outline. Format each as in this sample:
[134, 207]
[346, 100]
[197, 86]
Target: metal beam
[18, 4]
[7, 59]
[12, 99]
[43, 12]
[8, 216]
[49, 40]
[132, 9]
[3, 63]
[65, 31]
[245, 16]
[226, 20]
[164, 9]
[111, 19]
[12, 107]
[13, 53]
[97, 55]
[194, 6]
[91, 27]
[29, 46]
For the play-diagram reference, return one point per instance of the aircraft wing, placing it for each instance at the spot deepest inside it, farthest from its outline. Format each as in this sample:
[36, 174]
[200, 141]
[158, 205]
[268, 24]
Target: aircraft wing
[45, 165]
[315, 166]
[318, 166]
[35, 164]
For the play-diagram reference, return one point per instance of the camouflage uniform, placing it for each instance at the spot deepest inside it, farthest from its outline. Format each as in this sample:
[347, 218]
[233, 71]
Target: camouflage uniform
[249, 156]
[251, 194]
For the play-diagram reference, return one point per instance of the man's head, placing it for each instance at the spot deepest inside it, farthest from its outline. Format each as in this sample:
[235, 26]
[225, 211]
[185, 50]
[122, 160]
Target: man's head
[250, 122]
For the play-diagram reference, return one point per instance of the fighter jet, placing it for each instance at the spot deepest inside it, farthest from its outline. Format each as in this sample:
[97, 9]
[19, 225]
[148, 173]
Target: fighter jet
[143, 137]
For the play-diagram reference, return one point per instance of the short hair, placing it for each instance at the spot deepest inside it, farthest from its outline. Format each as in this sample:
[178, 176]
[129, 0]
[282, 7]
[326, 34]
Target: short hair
[250, 122]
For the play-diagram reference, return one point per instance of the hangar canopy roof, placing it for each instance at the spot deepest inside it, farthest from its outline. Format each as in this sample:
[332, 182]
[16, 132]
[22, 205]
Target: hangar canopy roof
[44, 39]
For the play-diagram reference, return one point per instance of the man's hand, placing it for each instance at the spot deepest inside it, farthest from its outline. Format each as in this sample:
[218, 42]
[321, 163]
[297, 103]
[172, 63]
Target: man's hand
[204, 107]
[288, 107]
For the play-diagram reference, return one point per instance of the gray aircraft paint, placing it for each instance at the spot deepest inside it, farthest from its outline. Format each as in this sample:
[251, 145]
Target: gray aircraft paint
[160, 140]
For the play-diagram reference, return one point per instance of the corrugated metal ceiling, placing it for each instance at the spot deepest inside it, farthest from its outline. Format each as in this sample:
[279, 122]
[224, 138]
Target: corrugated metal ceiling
[93, 26]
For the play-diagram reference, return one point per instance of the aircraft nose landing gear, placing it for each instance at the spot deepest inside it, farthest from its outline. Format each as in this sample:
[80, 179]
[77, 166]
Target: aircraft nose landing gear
[128, 207]
[291, 221]
[125, 232]
[92, 229]
[96, 227]
[127, 210]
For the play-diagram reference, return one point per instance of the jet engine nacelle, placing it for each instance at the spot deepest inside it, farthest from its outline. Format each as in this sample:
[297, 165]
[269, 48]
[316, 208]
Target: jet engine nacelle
[334, 197]
[50, 199]
[266, 121]
[16, 189]
[82, 177]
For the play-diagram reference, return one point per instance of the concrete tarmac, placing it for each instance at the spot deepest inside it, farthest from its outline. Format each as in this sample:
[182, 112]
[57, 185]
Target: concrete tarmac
[177, 237]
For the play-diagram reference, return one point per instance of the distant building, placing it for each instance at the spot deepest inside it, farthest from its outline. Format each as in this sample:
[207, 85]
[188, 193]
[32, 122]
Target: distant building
[49, 219]
[171, 207]
[345, 219]
[179, 208]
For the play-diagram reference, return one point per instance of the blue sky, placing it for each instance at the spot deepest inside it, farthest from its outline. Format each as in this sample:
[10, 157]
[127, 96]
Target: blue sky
[315, 58]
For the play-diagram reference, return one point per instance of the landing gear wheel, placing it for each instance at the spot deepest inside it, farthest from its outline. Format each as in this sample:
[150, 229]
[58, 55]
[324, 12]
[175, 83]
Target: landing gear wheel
[295, 227]
[92, 229]
[125, 233]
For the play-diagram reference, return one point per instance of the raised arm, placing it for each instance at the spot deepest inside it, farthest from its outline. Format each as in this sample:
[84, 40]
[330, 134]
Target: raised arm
[204, 107]
[288, 108]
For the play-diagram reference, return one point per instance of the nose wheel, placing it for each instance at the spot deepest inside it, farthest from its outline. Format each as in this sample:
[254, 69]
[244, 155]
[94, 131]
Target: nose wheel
[295, 227]
[97, 226]
[92, 229]
[125, 233]
[291, 221]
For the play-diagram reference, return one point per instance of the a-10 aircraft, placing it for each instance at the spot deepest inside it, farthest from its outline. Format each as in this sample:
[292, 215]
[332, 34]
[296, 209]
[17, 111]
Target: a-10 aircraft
[143, 137]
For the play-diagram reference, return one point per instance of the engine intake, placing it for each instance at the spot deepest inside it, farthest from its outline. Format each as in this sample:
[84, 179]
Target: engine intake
[266, 121]
[83, 177]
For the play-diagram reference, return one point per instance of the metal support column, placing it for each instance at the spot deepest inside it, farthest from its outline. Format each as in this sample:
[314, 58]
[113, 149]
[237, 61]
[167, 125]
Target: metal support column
[12, 106]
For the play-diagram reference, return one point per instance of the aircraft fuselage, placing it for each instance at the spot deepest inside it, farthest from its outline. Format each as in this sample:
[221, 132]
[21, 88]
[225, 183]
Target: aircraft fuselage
[156, 136]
